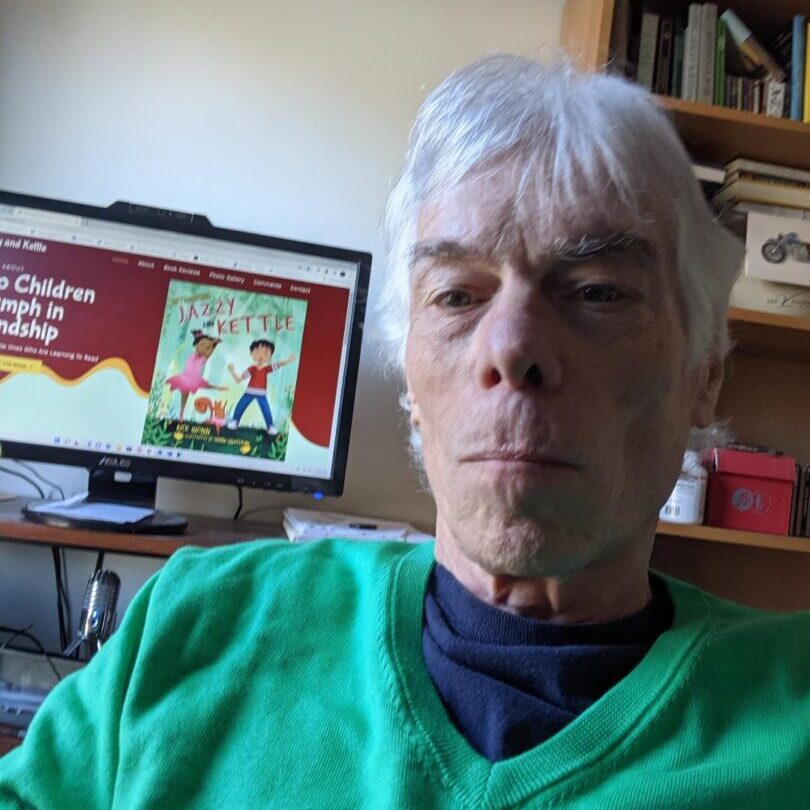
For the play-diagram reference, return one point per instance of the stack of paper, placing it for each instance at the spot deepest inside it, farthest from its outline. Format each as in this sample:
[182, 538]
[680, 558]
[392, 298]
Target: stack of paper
[303, 525]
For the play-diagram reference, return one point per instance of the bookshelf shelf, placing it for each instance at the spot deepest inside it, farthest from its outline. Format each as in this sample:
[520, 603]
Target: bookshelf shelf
[718, 134]
[764, 334]
[714, 534]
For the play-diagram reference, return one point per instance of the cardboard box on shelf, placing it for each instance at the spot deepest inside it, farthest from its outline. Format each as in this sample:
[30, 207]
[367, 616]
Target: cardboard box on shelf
[750, 491]
[777, 249]
[767, 296]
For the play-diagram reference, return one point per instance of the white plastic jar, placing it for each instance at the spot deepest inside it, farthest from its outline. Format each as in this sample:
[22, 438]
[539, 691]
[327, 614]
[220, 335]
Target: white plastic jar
[685, 504]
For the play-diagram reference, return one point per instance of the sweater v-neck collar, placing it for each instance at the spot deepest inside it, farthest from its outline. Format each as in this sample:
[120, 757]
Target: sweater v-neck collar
[579, 749]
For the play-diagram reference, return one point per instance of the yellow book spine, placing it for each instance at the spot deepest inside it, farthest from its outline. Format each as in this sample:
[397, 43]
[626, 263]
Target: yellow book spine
[806, 114]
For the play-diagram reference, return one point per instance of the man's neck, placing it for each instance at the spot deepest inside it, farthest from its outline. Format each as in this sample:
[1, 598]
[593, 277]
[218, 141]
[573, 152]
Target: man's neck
[601, 592]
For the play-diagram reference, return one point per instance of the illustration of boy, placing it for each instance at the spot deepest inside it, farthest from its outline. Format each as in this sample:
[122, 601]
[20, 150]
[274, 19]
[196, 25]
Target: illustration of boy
[262, 353]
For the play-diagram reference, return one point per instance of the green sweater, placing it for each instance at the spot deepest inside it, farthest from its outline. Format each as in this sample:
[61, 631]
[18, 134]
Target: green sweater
[292, 676]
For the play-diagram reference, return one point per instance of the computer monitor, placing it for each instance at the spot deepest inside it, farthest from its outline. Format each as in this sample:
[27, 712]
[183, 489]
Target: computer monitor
[140, 342]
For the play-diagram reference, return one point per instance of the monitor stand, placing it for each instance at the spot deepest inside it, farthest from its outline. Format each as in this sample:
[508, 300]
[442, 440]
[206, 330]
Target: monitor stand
[109, 494]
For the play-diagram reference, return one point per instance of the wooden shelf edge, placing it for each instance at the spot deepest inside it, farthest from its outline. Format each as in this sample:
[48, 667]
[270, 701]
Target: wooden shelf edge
[726, 114]
[715, 534]
[8, 743]
[797, 323]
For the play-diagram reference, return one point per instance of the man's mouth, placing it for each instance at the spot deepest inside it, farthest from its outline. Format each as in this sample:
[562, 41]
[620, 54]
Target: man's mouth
[518, 457]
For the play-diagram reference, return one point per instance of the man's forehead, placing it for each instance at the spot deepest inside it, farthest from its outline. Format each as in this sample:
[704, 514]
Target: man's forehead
[492, 215]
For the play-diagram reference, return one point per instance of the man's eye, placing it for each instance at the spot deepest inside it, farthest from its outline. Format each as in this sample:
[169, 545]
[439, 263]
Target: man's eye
[598, 293]
[454, 299]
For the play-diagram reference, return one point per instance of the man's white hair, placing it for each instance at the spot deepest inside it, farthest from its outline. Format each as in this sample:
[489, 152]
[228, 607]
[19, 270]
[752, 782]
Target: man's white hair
[579, 139]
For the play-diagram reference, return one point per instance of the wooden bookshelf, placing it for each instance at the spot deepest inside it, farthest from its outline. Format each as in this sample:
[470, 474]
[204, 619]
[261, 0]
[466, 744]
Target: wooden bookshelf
[766, 334]
[718, 134]
[712, 134]
[714, 534]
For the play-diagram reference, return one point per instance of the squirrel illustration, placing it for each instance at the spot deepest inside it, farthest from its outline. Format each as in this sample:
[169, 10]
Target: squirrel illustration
[214, 409]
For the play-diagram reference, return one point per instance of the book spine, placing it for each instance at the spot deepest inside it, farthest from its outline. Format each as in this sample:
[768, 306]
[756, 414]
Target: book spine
[720, 64]
[775, 99]
[677, 58]
[708, 32]
[758, 177]
[690, 53]
[794, 501]
[746, 94]
[646, 51]
[663, 62]
[738, 92]
[729, 91]
[773, 170]
[619, 38]
[750, 47]
[806, 111]
[756, 104]
[797, 59]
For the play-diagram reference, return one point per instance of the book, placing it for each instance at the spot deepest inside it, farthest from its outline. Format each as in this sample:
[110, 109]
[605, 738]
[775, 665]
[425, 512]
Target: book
[800, 509]
[691, 50]
[771, 193]
[663, 60]
[750, 47]
[797, 62]
[806, 111]
[774, 98]
[774, 170]
[619, 38]
[646, 50]
[765, 178]
[677, 57]
[706, 47]
[746, 93]
[720, 64]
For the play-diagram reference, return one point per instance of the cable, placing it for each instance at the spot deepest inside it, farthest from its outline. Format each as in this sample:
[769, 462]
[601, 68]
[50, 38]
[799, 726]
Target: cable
[31, 637]
[31, 481]
[57, 570]
[238, 508]
[33, 470]
[68, 611]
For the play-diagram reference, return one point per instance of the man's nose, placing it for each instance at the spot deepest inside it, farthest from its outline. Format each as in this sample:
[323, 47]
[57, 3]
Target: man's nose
[518, 344]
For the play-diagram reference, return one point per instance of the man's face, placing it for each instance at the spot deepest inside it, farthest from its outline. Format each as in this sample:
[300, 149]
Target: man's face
[551, 391]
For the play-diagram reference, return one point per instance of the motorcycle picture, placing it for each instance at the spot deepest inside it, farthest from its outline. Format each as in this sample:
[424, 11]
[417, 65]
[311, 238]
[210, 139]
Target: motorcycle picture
[786, 245]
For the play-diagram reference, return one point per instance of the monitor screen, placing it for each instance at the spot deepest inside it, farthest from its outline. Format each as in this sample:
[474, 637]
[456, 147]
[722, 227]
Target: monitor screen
[148, 339]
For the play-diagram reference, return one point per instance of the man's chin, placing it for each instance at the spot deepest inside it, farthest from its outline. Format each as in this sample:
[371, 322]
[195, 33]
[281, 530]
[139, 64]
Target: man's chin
[529, 551]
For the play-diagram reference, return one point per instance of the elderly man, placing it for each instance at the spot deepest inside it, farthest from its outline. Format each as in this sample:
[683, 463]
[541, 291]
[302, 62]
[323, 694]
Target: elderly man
[557, 300]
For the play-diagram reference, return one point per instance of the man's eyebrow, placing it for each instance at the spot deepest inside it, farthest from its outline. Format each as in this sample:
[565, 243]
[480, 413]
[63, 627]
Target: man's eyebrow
[444, 249]
[589, 247]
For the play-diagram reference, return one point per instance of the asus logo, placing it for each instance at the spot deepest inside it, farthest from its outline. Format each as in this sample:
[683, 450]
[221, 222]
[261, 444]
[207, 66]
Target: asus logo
[110, 461]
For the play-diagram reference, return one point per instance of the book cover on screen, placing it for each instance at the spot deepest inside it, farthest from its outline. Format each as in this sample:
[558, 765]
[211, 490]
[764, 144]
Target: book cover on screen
[225, 372]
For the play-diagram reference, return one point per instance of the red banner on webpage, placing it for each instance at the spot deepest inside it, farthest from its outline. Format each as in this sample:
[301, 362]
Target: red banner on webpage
[69, 311]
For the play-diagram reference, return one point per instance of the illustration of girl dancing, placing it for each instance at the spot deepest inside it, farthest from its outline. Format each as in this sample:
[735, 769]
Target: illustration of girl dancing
[191, 379]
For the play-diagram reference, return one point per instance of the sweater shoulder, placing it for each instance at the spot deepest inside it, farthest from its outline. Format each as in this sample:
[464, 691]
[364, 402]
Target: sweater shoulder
[754, 650]
[229, 579]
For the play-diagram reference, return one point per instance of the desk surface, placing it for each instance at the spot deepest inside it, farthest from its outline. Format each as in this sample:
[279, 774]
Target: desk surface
[201, 531]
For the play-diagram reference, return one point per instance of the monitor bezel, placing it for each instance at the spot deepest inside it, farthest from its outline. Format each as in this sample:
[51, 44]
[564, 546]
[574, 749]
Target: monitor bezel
[140, 215]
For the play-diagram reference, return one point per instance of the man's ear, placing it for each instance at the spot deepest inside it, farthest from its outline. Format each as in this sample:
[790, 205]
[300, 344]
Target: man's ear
[709, 381]
[412, 405]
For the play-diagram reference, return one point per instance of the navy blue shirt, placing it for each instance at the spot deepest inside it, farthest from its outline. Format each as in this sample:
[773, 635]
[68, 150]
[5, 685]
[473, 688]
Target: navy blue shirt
[509, 682]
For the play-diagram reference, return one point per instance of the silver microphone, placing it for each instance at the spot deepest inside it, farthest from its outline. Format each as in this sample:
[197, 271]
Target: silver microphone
[98, 617]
